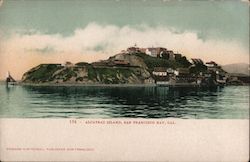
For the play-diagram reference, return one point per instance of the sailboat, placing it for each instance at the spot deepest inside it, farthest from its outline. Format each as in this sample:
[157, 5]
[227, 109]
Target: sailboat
[10, 80]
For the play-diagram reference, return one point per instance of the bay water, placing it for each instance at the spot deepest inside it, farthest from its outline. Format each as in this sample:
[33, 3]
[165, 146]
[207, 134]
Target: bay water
[230, 102]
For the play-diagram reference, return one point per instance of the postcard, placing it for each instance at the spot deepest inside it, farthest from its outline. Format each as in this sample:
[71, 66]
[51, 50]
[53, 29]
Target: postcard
[124, 80]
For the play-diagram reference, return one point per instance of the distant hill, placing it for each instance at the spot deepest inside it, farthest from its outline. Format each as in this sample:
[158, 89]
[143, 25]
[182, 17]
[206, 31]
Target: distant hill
[240, 68]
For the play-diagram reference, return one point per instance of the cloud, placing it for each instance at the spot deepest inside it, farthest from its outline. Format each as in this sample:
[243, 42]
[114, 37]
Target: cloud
[23, 50]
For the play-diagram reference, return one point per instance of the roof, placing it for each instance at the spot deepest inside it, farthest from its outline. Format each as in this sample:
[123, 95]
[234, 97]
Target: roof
[157, 48]
[197, 61]
[211, 62]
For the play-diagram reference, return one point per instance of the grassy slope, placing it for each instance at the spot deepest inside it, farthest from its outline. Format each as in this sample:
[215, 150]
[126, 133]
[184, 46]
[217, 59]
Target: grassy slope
[152, 62]
[42, 73]
[109, 75]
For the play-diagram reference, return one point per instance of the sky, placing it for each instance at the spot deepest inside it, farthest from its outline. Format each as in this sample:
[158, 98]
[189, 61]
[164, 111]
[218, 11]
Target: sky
[55, 31]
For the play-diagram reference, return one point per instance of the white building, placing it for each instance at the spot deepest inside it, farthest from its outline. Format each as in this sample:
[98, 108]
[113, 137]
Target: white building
[151, 52]
[160, 71]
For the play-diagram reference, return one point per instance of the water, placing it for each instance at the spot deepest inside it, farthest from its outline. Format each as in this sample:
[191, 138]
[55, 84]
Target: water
[230, 102]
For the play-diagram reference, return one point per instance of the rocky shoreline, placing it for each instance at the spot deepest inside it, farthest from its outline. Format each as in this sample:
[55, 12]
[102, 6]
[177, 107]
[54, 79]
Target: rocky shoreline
[85, 85]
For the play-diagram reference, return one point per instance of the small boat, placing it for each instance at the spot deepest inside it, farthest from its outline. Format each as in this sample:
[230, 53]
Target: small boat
[10, 80]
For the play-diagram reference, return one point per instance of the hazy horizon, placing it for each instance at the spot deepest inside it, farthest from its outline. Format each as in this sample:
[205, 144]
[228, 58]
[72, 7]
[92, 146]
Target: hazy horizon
[34, 32]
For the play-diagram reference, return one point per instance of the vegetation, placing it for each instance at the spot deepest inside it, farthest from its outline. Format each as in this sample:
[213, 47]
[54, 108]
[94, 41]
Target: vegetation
[82, 64]
[198, 68]
[79, 79]
[109, 75]
[152, 62]
[184, 63]
[91, 72]
[68, 73]
[42, 73]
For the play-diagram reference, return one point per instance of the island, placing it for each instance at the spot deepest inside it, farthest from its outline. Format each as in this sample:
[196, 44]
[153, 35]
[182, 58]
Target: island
[154, 65]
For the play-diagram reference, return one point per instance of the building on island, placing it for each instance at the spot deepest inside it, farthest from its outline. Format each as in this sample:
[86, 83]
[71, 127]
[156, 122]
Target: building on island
[213, 66]
[182, 72]
[239, 79]
[133, 49]
[155, 51]
[143, 50]
[149, 81]
[170, 71]
[151, 52]
[168, 54]
[182, 75]
[160, 71]
[160, 75]
[159, 52]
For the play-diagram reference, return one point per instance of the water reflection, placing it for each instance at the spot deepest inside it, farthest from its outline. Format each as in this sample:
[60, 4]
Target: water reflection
[129, 102]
